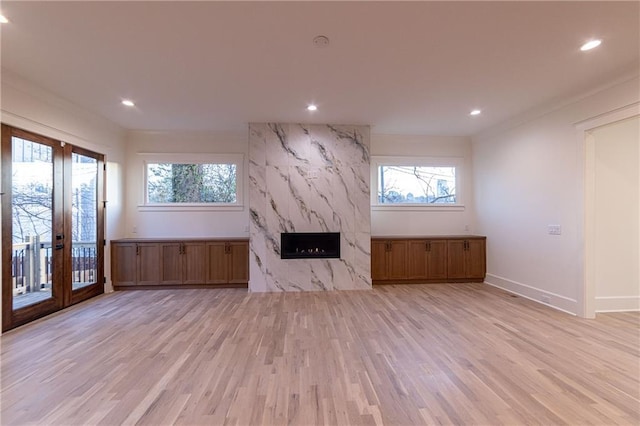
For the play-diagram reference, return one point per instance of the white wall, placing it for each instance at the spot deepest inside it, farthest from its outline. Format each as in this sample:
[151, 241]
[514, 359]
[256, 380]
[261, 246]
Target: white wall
[425, 222]
[617, 209]
[31, 108]
[528, 174]
[209, 223]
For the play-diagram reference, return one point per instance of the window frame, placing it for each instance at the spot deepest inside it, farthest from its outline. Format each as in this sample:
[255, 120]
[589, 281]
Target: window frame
[456, 162]
[203, 158]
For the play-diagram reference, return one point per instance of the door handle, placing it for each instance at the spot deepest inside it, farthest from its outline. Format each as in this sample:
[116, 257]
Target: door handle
[59, 246]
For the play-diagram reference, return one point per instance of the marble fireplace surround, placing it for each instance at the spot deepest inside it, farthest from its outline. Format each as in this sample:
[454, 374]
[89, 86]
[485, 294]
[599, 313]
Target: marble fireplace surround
[309, 178]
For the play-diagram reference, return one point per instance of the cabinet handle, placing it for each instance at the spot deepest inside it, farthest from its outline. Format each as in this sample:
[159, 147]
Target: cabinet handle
[227, 248]
[137, 250]
[181, 249]
[466, 245]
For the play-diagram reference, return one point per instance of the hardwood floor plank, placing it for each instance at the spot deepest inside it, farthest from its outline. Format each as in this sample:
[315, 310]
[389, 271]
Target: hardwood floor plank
[412, 354]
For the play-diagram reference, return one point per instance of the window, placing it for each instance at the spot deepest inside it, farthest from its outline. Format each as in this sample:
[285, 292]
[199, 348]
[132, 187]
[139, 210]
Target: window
[416, 182]
[191, 183]
[174, 180]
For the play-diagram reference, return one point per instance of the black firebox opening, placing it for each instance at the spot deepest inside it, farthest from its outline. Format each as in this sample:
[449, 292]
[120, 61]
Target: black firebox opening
[310, 245]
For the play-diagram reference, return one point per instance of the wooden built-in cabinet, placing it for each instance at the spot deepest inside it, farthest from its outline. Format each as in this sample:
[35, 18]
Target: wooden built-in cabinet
[466, 259]
[228, 262]
[428, 259]
[179, 263]
[391, 258]
[182, 263]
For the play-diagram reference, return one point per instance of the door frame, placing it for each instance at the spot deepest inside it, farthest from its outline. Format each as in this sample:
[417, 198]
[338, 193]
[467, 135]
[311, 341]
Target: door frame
[586, 143]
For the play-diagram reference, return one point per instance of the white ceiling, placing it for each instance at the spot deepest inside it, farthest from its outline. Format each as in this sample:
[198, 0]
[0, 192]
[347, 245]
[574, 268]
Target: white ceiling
[406, 68]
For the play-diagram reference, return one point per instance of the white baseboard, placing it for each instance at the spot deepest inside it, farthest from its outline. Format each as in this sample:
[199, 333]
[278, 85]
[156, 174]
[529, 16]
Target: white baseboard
[556, 301]
[618, 304]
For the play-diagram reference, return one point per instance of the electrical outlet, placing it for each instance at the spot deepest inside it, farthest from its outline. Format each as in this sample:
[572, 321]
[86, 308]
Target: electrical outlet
[246, 228]
[554, 229]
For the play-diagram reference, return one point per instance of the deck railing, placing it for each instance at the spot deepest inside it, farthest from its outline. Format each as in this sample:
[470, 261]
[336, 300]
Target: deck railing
[32, 265]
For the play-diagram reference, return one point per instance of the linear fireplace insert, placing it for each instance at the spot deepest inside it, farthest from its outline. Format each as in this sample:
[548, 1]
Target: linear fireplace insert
[310, 245]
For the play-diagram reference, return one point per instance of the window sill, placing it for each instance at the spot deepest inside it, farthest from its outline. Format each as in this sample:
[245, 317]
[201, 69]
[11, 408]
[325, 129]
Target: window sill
[188, 207]
[419, 207]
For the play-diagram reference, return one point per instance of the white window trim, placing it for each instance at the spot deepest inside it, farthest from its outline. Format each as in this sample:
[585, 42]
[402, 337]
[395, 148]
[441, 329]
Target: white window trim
[457, 162]
[191, 158]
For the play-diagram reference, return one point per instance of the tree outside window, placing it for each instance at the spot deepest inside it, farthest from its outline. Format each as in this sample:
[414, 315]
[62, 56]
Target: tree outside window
[191, 183]
[416, 185]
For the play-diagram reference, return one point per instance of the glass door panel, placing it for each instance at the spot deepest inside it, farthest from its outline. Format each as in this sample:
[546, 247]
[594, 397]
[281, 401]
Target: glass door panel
[52, 225]
[32, 196]
[84, 220]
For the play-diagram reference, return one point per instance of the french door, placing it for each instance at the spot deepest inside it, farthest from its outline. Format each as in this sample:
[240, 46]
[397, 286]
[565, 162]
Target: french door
[52, 226]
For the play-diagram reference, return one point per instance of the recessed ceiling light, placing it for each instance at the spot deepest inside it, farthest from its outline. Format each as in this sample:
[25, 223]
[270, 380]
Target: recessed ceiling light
[590, 45]
[312, 107]
[3, 19]
[475, 112]
[128, 102]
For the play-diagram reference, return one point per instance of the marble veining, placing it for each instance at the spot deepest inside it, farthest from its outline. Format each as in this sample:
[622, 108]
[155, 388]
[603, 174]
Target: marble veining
[309, 178]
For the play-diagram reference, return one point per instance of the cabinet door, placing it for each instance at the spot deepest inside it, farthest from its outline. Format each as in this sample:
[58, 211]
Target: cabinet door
[417, 259]
[194, 261]
[456, 259]
[437, 260]
[148, 263]
[379, 260]
[397, 260]
[170, 263]
[238, 254]
[475, 262]
[217, 259]
[123, 264]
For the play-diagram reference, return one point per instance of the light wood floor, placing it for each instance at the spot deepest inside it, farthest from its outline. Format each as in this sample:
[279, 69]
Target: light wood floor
[405, 355]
